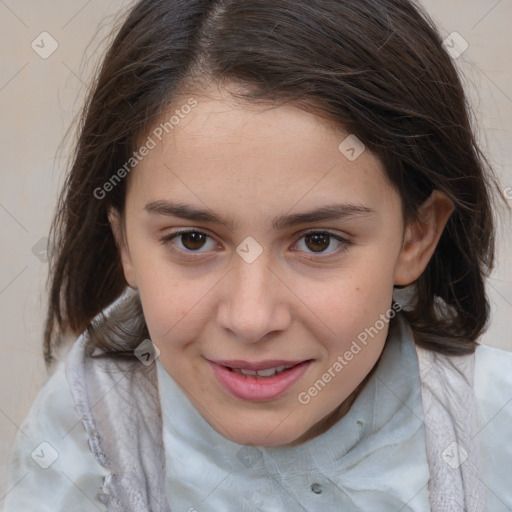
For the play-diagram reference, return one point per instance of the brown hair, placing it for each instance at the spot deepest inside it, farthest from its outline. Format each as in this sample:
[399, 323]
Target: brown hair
[374, 67]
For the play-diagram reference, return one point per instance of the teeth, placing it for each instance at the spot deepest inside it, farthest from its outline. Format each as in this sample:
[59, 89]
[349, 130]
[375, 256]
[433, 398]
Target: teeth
[268, 372]
[247, 372]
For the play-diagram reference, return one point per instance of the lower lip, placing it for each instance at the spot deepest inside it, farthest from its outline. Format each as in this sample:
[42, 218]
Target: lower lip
[257, 389]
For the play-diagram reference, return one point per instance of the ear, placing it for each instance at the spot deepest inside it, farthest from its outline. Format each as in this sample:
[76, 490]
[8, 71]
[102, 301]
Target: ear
[421, 237]
[118, 230]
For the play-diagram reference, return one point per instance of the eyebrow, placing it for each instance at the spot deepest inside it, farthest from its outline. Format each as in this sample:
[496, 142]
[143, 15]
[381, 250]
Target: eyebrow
[329, 212]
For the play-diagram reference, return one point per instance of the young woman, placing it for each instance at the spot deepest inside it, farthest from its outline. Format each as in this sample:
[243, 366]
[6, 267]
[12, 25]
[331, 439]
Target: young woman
[253, 185]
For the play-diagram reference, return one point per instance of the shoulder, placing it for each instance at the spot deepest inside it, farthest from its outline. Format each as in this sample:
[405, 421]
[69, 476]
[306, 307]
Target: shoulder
[493, 389]
[493, 394]
[493, 373]
[52, 452]
[493, 383]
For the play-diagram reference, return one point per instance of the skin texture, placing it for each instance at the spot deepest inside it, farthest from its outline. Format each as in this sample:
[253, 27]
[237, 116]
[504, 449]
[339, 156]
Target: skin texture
[301, 298]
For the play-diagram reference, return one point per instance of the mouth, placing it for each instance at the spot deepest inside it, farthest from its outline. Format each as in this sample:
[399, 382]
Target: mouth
[258, 381]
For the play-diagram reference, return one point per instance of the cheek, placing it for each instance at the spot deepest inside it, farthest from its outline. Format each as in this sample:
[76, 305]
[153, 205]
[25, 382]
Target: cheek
[175, 307]
[173, 312]
[354, 298]
[352, 310]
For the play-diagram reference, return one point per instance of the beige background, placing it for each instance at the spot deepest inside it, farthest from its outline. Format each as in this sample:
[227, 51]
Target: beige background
[40, 97]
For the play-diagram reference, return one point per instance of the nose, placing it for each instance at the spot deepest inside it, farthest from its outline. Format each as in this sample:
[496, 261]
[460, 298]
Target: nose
[255, 302]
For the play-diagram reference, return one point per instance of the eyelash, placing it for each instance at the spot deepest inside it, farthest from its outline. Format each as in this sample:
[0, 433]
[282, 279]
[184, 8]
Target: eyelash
[187, 254]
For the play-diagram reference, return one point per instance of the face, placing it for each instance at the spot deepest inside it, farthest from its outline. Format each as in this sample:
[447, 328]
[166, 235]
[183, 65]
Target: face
[261, 252]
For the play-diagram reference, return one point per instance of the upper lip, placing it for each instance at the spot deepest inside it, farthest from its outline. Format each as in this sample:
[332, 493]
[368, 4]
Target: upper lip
[256, 365]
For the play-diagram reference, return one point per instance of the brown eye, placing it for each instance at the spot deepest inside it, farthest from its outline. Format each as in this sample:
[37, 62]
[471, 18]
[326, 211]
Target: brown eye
[193, 240]
[189, 242]
[318, 242]
[321, 244]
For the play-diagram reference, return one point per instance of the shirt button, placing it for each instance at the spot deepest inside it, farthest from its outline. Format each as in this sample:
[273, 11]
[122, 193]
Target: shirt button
[316, 488]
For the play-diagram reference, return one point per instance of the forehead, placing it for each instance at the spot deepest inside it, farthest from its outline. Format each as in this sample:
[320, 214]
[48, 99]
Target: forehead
[211, 147]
